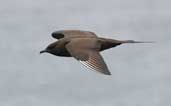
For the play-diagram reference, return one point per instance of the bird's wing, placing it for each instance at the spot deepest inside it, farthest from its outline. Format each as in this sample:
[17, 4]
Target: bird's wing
[88, 54]
[72, 34]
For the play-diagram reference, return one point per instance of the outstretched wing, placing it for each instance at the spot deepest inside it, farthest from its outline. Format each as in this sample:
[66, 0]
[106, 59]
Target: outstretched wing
[86, 51]
[72, 34]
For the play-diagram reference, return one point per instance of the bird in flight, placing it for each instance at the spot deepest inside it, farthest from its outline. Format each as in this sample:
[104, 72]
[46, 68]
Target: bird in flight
[84, 46]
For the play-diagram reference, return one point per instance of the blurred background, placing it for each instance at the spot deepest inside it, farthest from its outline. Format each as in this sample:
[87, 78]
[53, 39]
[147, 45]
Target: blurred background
[141, 73]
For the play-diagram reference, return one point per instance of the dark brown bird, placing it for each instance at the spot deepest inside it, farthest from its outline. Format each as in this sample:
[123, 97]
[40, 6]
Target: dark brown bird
[84, 46]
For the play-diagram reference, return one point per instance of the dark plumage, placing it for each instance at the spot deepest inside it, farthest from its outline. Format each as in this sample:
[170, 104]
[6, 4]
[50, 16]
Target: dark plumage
[84, 46]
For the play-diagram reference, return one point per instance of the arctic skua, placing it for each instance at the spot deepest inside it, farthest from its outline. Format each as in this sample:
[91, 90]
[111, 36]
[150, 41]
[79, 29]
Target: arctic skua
[84, 46]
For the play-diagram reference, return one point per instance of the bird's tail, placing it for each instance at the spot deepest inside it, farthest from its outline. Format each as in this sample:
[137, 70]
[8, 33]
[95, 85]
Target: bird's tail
[132, 41]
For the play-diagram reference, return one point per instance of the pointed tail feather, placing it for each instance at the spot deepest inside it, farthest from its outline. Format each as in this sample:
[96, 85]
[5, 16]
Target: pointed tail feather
[132, 41]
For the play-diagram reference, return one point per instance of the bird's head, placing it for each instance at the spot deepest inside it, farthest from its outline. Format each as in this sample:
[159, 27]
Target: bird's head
[49, 49]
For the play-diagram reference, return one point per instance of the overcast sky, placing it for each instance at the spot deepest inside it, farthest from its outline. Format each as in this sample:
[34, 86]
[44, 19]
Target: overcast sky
[141, 73]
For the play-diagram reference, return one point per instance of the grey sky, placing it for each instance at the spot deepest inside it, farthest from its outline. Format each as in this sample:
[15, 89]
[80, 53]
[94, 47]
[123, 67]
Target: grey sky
[141, 73]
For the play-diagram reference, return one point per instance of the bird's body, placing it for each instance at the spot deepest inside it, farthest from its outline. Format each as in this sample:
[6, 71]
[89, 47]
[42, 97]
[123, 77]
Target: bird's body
[84, 46]
[62, 50]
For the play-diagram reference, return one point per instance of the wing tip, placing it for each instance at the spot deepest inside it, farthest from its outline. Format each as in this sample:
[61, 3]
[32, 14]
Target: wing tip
[57, 34]
[107, 73]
